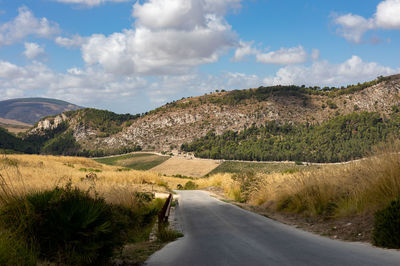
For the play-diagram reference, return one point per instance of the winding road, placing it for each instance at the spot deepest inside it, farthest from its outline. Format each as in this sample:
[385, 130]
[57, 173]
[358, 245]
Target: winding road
[218, 233]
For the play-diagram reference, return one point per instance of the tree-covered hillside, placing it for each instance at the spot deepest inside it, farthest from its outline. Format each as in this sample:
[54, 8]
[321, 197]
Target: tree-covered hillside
[60, 140]
[339, 139]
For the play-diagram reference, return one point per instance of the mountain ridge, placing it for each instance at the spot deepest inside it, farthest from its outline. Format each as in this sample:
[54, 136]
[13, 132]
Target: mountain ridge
[168, 127]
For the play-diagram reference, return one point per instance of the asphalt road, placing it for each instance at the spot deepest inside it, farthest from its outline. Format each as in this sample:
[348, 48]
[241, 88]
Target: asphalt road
[218, 233]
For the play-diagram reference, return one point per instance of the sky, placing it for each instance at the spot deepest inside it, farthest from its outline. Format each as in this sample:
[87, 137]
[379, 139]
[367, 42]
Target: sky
[131, 56]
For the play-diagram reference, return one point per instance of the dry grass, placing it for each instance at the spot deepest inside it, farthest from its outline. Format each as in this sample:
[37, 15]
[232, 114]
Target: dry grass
[24, 173]
[224, 181]
[343, 190]
[186, 167]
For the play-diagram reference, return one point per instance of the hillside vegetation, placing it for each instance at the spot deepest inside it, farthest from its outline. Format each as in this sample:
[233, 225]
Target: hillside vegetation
[341, 138]
[283, 119]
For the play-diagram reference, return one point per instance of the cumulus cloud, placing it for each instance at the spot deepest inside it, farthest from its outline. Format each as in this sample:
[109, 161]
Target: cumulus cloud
[353, 27]
[8, 70]
[168, 88]
[26, 24]
[283, 56]
[245, 49]
[81, 86]
[74, 42]
[33, 50]
[326, 74]
[170, 37]
[93, 86]
[387, 14]
[89, 3]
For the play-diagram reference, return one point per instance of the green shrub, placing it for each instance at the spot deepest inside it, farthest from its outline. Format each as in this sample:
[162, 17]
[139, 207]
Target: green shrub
[190, 185]
[166, 234]
[14, 251]
[247, 181]
[331, 104]
[387, 226]
[65, 225]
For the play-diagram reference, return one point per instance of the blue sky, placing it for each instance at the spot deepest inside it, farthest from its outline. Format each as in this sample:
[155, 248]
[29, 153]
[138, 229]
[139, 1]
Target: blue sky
[133, 56]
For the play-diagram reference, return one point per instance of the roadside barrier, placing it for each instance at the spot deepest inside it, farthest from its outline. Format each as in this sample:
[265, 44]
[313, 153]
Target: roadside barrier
[164, 213]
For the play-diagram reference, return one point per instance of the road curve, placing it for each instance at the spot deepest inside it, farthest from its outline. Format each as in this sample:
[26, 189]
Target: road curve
[218, 233]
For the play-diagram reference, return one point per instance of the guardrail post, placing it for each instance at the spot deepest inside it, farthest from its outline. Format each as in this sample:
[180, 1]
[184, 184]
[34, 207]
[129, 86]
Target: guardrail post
[164, 213]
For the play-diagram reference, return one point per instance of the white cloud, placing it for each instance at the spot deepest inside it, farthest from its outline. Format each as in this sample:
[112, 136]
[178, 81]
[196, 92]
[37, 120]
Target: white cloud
[168, 88]
[90, 3]
[170, 37]
[245, 49]
[284, 56]
[85, 87]
[95, 87]
[8, 70]
[323, 73]
[33, 50]
[74, 42]
[387, 14]
[26, 24]
[315, 54]
[353, 27]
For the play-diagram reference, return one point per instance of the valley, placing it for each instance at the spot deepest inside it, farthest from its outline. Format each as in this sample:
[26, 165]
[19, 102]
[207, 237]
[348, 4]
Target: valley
[289, 153]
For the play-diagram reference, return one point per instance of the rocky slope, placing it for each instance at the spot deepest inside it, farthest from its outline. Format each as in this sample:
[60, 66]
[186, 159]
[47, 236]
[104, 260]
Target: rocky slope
[167, 127]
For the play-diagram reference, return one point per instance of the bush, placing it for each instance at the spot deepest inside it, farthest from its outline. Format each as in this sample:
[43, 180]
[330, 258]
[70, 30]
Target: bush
[386, 226]
[190, 185]
[14, 251]
[65, 225]
[166, 234]
[246, 181]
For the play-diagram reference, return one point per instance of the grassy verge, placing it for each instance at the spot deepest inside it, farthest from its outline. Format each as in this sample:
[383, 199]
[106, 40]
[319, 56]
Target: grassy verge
[138, 253]
[137, 161]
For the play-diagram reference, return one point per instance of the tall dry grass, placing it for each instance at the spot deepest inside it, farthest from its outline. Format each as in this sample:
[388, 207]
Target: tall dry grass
[354, 188]
[231, 188]
[20, 174]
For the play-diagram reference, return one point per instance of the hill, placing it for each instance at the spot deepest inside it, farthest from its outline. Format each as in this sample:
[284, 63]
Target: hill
[30, 110]
[96, 132]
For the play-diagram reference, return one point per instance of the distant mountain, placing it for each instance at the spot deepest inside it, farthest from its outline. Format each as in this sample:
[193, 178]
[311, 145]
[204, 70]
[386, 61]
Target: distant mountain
[31, 110]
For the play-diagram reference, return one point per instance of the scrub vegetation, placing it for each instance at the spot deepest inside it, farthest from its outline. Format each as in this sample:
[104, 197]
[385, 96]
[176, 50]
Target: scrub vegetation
[52, 212]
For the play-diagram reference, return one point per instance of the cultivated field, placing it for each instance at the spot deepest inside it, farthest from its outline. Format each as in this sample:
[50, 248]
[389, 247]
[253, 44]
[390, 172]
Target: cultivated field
[137, 161]
[263, 168]
[186, 167]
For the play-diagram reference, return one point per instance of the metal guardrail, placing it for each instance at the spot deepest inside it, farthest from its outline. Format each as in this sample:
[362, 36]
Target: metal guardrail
[164, 213]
